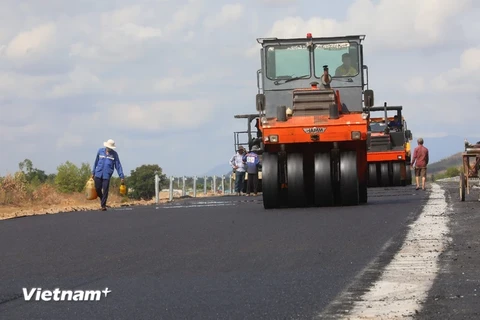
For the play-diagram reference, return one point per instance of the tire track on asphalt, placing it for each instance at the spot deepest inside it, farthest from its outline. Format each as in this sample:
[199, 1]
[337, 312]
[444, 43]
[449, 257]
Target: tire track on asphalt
[404, 283]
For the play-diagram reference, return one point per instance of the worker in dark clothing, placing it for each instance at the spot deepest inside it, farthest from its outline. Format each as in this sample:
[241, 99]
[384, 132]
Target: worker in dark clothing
[257, 125]
[252, 161]
[106, 162]
[258, 140]
[395, 123]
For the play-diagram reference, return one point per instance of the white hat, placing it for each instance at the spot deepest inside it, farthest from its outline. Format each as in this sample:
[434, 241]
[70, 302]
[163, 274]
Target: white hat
[109, 144]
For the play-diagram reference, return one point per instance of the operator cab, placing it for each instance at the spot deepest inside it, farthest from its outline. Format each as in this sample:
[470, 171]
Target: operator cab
[305, 63]
[388, 132]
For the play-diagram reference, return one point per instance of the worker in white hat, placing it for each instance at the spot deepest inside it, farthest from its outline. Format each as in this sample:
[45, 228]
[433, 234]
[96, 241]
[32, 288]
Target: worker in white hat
[106, 162]
[236, 161]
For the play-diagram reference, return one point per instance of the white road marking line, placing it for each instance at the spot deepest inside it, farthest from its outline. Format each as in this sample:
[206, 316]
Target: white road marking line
[405, 282]
[199, 205]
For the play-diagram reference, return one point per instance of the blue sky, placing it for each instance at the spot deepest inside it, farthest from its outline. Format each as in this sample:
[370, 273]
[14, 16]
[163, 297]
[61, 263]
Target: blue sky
[164, 78]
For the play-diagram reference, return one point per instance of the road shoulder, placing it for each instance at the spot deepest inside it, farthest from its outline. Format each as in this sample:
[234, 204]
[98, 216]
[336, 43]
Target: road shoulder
[455, 293]
[396, 283]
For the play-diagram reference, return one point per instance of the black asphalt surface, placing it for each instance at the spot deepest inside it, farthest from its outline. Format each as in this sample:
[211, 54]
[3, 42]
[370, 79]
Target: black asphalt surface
[223, 258]
[456, 291]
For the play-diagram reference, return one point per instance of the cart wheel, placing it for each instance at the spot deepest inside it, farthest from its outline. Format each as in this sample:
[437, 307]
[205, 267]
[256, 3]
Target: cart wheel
[462, 186]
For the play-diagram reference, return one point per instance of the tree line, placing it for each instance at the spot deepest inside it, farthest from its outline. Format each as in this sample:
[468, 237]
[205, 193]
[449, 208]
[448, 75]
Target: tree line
[70, 178]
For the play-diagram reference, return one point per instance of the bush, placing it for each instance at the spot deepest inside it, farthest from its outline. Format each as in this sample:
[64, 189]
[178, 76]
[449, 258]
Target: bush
[70, 178]
[13, 189]
[448, 173]
[30, 185]
[452, 172]
[142, 181]
[46, 194]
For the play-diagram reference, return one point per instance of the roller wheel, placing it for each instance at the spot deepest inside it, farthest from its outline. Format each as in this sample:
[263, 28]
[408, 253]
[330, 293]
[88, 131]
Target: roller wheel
[323, 191]
[296, 182]
[270, 182]
[462, 186]
[349, 186]
[384, 177]
[372, 175]
[408, 179]
[397, 174]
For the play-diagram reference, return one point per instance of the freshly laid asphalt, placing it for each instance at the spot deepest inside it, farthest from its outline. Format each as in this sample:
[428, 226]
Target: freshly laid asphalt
[215, 258]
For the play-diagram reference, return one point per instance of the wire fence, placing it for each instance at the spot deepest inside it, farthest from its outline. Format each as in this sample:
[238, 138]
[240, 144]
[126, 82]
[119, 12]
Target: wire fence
[195, 186]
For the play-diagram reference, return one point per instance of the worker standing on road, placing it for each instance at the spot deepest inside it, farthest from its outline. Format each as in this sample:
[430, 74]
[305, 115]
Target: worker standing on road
[252, 161]
[420, 160]
[106, 162]
[239, 168]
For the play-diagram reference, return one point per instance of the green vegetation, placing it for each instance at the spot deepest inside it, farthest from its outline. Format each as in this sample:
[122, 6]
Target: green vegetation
[30, 184]
[448, 167]
[142, 181]
[449, 173]
[446, 163]
[70, 178]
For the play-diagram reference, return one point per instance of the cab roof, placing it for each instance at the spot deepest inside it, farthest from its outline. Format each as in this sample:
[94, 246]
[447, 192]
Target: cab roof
[311, 38]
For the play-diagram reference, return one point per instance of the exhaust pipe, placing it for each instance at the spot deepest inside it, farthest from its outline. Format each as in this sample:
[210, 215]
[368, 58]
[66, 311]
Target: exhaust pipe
[281, 113]
[333, 111]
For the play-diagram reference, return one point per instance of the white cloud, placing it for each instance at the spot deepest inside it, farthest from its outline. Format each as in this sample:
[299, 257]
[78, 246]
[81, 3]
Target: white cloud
[23, 135]
[415, 85]
[140, 32]
[15, 85]
[388, 24]
[120, 35]
[166, 73]
[228, 13]
[178, 82]
[464, 78]
[69, 140]
[79, 81]
[122, 16]
[277, 2]
[160, 116]
[31, 43]
[185, 17]
[126, 21]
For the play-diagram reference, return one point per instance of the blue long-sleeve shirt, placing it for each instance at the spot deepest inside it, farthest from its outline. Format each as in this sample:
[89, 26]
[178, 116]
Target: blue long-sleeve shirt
[105, 164]
[252, 162]
[395, 123]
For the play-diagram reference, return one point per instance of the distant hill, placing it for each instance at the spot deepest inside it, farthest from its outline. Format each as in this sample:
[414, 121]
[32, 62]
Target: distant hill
[454, 160]
[219, 170]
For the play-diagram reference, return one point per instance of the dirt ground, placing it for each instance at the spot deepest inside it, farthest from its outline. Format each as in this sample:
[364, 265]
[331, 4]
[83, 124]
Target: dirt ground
[77, 202]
